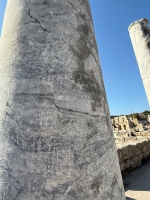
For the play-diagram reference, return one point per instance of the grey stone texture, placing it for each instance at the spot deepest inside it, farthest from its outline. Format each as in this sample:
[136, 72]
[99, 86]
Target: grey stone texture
[140, 38]
[56, 140]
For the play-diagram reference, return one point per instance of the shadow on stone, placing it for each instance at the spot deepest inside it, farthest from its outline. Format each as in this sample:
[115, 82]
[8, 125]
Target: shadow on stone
[128, 198]
[138, 179]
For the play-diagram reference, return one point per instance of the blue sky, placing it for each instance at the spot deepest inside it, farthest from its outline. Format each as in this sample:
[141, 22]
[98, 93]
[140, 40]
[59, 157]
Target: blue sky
[123, 84]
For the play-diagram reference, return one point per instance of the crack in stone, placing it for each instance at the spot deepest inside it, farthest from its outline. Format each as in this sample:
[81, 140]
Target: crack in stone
[71, 4]
[36, 20]
[67, 191]
[74, 111]
[60, 14]
[50, 96]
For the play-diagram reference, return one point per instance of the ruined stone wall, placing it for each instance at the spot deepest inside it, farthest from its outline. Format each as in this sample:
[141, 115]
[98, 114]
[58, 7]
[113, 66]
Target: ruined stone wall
[132, 154]
[126, 123]
[122, 123]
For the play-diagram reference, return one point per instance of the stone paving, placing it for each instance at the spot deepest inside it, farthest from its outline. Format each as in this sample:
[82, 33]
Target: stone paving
[137, 183]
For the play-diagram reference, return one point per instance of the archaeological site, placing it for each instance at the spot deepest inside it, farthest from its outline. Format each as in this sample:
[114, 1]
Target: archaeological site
[132, 137]
[58, 140]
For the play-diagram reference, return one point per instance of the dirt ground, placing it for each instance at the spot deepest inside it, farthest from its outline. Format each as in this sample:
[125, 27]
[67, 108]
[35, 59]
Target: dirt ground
[137, 183]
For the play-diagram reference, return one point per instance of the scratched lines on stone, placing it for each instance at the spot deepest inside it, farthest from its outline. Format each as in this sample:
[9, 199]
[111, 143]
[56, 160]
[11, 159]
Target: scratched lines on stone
[55, 163]
[50, 118]
[7, 181]
[80, 5]
[39, 143]
[58, 58]
[60, 162]
[4, 165]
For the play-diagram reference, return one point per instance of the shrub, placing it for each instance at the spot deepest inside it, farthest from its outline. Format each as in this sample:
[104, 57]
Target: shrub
[136, 115]
[146, 112]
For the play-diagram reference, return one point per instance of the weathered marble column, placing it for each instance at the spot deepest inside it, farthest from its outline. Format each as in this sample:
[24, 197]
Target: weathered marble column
[140, 38]
[56, 140]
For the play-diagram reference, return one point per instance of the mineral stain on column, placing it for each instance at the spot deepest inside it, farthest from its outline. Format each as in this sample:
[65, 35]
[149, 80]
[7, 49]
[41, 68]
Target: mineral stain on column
[56, 140]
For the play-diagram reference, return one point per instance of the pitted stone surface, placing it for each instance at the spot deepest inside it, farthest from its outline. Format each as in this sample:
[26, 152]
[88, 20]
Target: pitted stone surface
[56, 136]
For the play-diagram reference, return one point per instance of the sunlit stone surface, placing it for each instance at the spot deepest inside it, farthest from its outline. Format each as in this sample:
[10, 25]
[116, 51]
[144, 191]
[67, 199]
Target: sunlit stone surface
[140, 38]
[56, 140]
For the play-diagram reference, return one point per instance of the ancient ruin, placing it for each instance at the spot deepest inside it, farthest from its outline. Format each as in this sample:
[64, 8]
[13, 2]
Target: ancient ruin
[127, 122]
[132, 138]
[140, 38]
[122, 123]
[133, 150]
[56, 140]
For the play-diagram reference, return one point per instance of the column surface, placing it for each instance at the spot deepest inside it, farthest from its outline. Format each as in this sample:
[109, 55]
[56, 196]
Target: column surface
[140, 38]
[56, 140]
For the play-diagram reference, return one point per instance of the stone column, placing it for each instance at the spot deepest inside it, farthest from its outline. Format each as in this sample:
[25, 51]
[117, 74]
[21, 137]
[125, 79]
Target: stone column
[140, 38]
[56, 140]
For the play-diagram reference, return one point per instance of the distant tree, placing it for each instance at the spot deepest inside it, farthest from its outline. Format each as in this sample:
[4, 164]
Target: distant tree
[136, 115]
[113, 116]
[146, 112]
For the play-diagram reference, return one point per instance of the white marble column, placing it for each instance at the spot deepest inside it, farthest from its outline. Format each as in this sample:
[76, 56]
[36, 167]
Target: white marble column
[140, 38]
